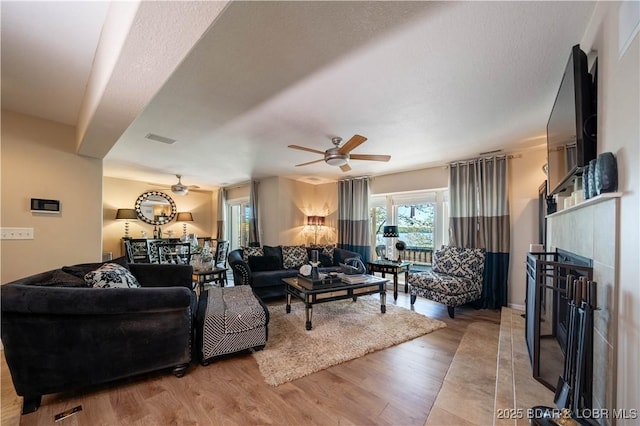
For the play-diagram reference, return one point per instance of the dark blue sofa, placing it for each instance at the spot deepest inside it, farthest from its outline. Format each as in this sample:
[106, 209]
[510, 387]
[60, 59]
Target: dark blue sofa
[267, 283]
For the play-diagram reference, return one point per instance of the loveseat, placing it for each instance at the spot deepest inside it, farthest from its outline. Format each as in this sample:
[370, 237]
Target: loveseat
[60, 335]
[263, 268]
[455, 278]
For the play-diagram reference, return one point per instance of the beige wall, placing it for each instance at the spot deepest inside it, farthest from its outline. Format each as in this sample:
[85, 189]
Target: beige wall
[284, 221]
[122, 194]
[415, 180]
[619, 132]
[525, 177]
[38, 161]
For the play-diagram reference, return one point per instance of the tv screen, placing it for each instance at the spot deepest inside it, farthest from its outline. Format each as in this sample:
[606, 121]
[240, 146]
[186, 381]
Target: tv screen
[571, 142]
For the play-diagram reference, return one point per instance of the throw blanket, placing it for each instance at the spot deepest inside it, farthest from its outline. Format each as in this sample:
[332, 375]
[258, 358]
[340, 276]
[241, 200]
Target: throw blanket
[239, 311]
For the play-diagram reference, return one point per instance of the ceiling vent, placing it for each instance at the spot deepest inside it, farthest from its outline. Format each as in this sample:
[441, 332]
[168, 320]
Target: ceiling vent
[158, 138]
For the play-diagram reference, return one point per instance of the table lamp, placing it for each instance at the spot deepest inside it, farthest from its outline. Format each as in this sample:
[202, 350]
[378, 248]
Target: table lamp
[184, 217]
[126, 215]
[316, 221]
[390, 232]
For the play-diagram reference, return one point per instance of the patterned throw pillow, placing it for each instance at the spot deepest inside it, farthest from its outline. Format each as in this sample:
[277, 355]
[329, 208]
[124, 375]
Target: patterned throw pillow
[460, 262]
[294, 256]
[111, 275]
[251, 251]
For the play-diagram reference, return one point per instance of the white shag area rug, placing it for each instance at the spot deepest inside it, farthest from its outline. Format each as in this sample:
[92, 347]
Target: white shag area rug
[342, 330]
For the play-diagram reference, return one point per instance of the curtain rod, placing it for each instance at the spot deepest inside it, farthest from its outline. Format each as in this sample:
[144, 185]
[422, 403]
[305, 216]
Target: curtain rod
[505, 156]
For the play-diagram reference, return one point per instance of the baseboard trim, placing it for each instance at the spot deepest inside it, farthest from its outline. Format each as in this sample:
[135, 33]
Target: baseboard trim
[517, 307]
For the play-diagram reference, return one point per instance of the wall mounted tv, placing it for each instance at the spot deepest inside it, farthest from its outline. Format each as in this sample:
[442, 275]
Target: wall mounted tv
[571, 129]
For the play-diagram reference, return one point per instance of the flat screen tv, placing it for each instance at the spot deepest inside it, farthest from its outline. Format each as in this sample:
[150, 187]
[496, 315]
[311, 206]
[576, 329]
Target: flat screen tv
[571, 130]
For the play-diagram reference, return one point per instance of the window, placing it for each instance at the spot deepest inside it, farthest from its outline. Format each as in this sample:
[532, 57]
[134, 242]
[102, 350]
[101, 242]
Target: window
[422, 220]
[238, 223]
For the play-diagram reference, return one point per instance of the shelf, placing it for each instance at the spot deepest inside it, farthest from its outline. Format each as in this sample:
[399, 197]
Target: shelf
[591, 201]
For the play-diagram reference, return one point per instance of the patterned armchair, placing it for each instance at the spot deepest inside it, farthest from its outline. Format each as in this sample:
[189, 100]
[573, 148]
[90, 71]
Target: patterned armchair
[455, 279]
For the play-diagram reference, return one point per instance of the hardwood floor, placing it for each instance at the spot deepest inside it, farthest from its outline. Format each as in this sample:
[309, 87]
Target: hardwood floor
[395, 386]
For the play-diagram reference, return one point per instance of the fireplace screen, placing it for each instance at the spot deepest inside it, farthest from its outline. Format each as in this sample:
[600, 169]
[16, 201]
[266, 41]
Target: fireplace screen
[547, 307]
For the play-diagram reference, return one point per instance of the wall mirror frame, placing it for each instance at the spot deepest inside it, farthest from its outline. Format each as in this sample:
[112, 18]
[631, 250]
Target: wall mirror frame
[155, 208]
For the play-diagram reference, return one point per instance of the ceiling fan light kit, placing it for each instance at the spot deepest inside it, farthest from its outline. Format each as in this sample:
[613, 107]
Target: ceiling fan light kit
[333, 158]
[179, 188]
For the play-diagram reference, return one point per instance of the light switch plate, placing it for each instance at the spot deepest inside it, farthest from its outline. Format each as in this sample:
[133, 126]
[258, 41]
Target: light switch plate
[17, 233]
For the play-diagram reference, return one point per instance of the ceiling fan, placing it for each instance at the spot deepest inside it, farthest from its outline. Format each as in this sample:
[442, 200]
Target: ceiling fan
[340, 155]
[181, 189]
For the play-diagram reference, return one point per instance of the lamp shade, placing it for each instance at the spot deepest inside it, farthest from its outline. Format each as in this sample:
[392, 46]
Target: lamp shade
[315, 220]
[184, 217]
[129, 214]
[390, 231]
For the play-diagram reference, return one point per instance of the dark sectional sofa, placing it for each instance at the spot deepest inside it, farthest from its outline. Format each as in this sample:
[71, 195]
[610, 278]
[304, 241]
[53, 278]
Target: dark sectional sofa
[264, 272]
[60, 335]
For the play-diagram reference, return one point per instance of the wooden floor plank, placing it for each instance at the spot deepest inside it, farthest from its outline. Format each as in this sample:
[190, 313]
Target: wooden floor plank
[394, 386]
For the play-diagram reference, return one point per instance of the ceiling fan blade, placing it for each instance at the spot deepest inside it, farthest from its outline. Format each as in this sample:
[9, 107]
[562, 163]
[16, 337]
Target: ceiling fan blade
[352, 144]
[370, 157]
[345, 167]
[302, 148]
[310, 162]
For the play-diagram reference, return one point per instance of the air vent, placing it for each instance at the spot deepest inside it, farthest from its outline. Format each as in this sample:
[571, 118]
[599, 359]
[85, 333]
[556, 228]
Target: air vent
[161, 139]
[495, 151]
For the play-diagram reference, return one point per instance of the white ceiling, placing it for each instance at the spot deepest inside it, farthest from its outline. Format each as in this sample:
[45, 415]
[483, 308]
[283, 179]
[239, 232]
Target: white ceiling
[425, 82]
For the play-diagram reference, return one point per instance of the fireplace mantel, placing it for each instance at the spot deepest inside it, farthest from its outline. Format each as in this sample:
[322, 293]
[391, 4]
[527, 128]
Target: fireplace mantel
[591, 201]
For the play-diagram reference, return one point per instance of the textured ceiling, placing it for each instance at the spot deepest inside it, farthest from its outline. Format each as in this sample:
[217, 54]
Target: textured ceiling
[425, 82]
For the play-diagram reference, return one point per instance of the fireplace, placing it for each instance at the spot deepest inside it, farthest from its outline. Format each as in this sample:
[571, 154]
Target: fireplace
[547, 310]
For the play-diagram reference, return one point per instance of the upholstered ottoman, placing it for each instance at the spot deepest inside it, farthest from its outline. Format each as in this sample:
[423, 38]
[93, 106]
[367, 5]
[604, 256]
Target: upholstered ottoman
[229, 320]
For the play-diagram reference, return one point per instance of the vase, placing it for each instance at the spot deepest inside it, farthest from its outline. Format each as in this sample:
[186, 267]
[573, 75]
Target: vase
[606, 179]
[585, 183]
[592, 176]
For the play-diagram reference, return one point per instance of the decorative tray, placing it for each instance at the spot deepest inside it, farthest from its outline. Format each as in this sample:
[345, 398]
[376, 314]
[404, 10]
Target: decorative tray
[323, 282]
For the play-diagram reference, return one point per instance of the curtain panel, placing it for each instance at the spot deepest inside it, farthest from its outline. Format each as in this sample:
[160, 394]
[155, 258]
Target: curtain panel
[222, 204]
[480, 219]
[254, 215]
[353, 216]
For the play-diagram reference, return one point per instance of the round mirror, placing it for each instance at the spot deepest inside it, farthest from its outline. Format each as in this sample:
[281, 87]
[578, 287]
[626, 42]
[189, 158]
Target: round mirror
[156, 208]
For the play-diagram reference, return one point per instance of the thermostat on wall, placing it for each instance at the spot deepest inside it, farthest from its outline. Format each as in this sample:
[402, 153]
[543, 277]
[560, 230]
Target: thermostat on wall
[38, 205]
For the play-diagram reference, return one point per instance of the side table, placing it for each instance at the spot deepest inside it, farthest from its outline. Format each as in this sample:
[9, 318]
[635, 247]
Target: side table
[216, 274]
[391, 267]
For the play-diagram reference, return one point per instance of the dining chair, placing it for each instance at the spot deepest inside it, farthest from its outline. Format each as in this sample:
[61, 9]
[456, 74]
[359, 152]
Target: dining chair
[222, 250]
[176, 253]
[128, 250]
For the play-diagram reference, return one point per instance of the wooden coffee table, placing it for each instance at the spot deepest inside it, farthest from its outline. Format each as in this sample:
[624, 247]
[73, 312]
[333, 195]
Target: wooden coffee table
[337, 291]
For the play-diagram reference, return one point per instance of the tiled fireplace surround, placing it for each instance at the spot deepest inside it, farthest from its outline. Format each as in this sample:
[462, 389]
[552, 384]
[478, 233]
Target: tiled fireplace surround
[591, 229]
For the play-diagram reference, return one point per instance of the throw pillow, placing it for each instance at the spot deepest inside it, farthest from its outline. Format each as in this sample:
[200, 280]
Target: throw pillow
[326, 253]
[294, 256]
[83, 269]
[274, 251]
[264, 263]
[111, 275]
[59, 278]
[251, 251]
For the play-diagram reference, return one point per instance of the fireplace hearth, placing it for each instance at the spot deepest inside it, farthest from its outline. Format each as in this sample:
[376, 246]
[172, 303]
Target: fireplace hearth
[547, 314]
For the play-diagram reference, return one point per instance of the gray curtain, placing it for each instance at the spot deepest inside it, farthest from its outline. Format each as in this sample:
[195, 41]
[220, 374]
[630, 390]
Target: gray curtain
[353, 216]
[254, 222]
[222, 204]
[480, 219]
